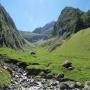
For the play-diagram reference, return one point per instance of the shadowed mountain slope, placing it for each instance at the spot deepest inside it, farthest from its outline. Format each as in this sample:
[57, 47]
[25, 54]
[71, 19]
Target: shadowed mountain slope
[9, 35]
[71, 20]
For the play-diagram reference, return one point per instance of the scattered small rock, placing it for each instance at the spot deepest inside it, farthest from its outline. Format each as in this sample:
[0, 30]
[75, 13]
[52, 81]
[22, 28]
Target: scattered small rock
[5, 67]
[60, 76]
[78, 85]
[64, 86]
[33, 53]
[20, 77]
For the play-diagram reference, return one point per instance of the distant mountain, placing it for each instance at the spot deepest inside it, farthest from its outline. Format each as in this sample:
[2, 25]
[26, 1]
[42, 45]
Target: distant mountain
[9, 35]
[46, 30]
[71, 20]
[41, 33]
[33, 37]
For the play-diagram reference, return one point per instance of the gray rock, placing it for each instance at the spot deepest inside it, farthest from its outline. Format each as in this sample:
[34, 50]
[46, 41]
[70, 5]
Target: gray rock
[86, 87]
[64, 86]
[67, 64]
[6, 88]
[78, 85]
[60, 76]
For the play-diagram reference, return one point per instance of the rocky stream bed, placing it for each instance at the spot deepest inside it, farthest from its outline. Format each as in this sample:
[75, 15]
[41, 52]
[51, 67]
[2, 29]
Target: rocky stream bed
[22, 81]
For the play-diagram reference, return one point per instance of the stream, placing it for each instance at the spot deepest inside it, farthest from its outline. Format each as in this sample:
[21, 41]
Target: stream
[27, 82]
[22, 81]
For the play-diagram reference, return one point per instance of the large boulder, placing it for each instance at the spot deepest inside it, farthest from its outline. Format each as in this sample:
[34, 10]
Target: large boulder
[68, 65]
[9, 35]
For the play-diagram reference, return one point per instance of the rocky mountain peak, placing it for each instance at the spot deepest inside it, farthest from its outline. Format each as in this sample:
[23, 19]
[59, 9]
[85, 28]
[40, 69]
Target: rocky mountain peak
[9, 35]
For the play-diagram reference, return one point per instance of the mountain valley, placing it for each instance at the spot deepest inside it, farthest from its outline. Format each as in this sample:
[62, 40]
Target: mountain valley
[53, 57]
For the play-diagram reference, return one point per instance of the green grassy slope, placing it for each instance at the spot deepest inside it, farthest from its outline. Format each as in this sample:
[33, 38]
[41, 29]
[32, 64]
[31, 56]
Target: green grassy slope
[4, 78]
[26, 57]
[76, 50]
[78, 45]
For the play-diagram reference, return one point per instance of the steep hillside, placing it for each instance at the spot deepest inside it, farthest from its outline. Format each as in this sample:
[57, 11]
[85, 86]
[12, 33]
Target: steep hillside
[78, 45]
[76, 50]
[71, 20]
[50, 44]
[9, 36]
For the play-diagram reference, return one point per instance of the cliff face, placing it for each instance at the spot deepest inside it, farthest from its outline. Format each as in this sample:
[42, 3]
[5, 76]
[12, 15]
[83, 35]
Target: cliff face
[71, 20]
[9, 35]
[68, 22]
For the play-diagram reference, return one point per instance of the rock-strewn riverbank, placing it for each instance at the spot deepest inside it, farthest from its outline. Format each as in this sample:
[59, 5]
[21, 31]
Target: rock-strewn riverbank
[22, 81]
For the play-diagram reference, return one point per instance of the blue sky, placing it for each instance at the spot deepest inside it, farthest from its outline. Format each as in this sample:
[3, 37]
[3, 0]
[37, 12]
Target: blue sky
[30, 14]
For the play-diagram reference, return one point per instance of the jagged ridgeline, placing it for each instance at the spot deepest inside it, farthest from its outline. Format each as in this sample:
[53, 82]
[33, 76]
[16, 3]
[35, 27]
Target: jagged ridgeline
[71, 20]
[9, 35]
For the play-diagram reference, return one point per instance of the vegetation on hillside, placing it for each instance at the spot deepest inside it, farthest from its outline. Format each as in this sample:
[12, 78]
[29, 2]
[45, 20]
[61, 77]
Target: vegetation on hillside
[47, 57]
[5, 78]
[71, 20]
[9, 36]
[76, 50]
